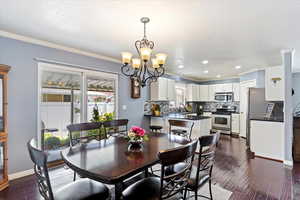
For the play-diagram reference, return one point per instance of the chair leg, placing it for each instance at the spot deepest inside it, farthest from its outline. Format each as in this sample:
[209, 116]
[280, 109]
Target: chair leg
[210, 192]
[74, 177]
[196, 194]
[184, 195]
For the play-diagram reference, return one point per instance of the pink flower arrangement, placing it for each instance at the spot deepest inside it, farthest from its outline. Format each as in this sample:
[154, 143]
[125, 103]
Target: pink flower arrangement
[137, 133]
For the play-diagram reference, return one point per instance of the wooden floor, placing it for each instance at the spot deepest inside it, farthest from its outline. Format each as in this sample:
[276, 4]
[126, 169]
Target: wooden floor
[246, 178]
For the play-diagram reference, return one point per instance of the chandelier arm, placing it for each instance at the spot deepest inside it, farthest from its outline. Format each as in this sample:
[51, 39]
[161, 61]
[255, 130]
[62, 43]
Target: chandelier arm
[125, 70]
[138, 46]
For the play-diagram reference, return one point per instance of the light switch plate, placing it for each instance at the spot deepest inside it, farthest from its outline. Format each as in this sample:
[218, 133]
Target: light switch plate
[124, 107]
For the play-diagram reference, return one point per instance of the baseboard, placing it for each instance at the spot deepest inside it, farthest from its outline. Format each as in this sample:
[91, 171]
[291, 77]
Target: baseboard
[20, 174]
[288, 162]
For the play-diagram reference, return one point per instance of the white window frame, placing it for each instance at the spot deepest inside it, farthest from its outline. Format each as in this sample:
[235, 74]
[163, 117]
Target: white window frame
[42, 66]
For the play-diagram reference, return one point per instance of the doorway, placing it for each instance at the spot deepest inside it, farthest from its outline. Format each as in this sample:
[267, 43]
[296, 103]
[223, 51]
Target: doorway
[244, 92]
[70, 95]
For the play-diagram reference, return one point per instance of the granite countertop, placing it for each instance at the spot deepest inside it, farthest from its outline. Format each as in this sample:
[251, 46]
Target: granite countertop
[271, 119]
[180, 116]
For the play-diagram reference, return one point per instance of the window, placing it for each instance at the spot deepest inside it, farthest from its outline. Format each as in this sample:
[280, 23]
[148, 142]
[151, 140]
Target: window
[69, 95]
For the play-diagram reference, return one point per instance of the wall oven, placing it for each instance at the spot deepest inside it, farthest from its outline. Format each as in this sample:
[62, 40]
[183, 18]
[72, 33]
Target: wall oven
[224, 96]
[221, 122]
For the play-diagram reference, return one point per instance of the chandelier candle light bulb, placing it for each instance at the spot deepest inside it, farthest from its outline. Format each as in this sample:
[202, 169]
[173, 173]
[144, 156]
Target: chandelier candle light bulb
[136, 63]
[145, 54]
[126, 57]
[161, 58]
[155, 63]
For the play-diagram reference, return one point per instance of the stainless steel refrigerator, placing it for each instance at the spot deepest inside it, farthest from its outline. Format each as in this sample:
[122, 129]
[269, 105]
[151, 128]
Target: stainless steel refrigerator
[257, 107]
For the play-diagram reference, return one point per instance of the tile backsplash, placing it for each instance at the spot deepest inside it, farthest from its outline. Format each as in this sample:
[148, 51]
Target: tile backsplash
[166, 107]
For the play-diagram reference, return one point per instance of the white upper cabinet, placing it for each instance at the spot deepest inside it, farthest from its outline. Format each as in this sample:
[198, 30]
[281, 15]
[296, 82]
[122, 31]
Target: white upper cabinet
[236, 91]
[189, 92]
[204, 93]
[196, 91]
[171, 90]
[211, 92]
[192, 92]
[226, 87]
[274, 83]
[159, 90]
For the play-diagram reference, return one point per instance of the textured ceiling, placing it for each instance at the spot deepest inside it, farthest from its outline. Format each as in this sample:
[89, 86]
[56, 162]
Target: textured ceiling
[226, 33]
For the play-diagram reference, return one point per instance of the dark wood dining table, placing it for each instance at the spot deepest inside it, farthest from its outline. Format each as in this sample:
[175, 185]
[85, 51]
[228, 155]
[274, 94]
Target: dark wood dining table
[109, 161]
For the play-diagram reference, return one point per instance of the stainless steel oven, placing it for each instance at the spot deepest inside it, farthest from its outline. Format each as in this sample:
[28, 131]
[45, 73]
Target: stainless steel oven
[224, 96]
[221, 122]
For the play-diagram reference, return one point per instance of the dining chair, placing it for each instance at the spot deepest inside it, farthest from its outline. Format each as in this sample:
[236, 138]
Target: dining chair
[205, 164]
[92, 131]
[186, 125]
[116, 127]
[82, 189]
[164, 187]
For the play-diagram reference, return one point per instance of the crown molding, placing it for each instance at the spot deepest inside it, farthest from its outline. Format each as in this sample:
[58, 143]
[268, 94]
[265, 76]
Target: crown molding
[56, 46]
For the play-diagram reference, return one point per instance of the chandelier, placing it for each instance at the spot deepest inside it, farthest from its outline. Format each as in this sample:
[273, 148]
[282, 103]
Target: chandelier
[144, 69]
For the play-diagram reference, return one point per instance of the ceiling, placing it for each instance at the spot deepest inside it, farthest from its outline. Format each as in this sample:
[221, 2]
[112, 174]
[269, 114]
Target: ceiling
[226, 33]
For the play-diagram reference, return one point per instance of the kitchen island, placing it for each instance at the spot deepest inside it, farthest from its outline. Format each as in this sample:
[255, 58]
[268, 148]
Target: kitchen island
[202, 124]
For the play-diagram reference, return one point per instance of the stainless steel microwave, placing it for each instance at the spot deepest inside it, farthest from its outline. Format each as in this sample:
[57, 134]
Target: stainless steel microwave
[224, 96]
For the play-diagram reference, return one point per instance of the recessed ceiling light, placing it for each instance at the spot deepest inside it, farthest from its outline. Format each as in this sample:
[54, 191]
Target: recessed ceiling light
[238, 67]
[205, 72]
[204, 62]
[218, 76]
[180, 66]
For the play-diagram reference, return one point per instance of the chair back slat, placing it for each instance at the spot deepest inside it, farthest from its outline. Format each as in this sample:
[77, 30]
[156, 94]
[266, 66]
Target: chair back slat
[113, 126]
[80, 127]
[39, 158]
[175, 183]
[181, 123]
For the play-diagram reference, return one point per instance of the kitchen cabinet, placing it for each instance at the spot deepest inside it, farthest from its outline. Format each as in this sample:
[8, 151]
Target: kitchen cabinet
[163, 90]
[267, 139]
[236, 91]
[171, 90]
[193, 92]
[203, 93]
[226, 87]
[235, 123]
[211, 92]
[209, 121]
[274, 83]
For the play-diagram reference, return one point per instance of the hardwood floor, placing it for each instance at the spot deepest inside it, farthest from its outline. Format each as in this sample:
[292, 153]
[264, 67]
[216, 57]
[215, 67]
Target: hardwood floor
[246, 178]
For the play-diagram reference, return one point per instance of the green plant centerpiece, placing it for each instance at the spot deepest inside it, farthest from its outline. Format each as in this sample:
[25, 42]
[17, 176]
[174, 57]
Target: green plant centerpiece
[136, 136]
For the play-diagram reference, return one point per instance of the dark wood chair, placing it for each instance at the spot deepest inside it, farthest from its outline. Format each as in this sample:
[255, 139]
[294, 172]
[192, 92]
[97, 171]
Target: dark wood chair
[116, 127]
[204, 167]
[92, 131]
[187, 125]
[165, 186]
[78, 190]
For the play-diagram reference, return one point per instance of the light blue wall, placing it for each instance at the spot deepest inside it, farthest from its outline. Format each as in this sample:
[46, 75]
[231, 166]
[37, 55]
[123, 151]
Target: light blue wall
[259, 76]
[23, 87]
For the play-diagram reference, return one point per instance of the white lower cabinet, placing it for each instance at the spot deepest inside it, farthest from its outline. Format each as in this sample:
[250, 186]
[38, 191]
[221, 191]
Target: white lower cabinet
[208, 114]
[235, 123]
[267, 139]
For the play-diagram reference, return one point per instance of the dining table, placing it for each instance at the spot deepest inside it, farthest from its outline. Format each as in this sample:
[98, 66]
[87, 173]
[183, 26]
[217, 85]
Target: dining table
[110, 161]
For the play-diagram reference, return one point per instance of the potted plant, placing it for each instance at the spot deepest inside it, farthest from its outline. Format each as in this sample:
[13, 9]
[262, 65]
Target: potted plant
[136, 136]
